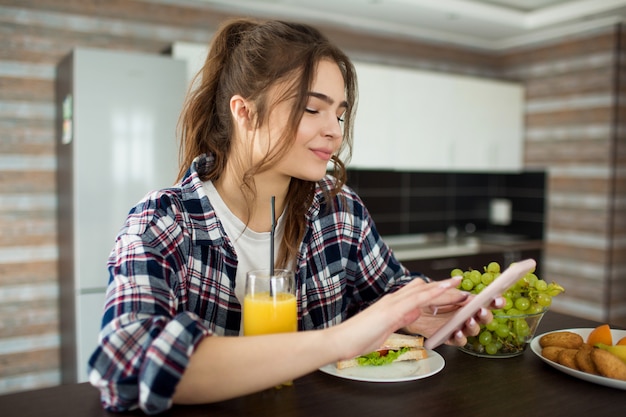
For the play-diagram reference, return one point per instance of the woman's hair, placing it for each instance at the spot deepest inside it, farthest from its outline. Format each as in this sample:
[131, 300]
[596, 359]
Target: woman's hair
[248, 58]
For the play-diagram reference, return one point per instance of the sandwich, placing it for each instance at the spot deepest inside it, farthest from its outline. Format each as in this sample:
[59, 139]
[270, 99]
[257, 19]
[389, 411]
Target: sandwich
[398, 347]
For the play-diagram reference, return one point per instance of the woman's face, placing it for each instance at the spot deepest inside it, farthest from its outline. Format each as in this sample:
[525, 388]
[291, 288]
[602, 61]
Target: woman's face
[320, 131]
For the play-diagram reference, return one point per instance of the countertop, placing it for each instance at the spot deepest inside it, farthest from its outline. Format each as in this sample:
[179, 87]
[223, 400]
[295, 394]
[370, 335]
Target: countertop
[430, 246]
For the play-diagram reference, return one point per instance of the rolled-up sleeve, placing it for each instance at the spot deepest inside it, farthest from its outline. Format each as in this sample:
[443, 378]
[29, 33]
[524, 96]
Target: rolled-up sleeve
[147, 337]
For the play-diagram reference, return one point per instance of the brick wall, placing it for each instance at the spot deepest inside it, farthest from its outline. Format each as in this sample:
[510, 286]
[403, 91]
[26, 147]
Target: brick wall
[571, 131]
[616, 298]
[571, 120]
[34, 36]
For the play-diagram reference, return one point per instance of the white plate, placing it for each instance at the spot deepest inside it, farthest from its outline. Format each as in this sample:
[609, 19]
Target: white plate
[394, 372]
[609, 382]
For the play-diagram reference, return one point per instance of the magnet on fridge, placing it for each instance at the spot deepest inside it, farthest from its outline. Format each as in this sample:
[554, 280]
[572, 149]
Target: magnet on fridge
[67, 120]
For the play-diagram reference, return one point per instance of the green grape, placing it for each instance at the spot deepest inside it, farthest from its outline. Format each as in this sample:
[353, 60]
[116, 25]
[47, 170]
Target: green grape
[544, 299]
[475, 276]
[531, 279]
[479, 287]
[467, 284]
[521, 285]
[521, 328]
[502, 330]
[456, 273]
[514, 312]
[492, 325]
[522, 303]
[493, 267]
[485, 337]
[491, 348]
[541, 285]
[486, 278]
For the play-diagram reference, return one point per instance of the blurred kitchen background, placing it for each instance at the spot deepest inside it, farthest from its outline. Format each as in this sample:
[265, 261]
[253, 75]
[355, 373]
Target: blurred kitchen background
[550, 183]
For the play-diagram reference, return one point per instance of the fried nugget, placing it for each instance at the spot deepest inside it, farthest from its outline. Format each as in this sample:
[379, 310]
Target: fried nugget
[568, 340]
[567, 357]
[608, 365]
[584, 361]
[551, 352]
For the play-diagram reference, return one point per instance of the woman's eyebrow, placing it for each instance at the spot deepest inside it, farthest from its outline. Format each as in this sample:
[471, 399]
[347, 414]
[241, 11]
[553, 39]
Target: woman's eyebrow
[327, 99]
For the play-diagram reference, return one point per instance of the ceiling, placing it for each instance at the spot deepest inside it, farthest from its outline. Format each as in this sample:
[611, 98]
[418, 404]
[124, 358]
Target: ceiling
[484, 24]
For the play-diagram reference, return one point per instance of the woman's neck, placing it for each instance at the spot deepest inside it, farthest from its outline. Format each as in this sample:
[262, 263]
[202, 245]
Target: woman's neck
[258, 216]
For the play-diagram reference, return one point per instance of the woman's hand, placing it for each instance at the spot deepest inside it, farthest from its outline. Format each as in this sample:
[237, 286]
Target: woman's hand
[441, 310]
[367, 330]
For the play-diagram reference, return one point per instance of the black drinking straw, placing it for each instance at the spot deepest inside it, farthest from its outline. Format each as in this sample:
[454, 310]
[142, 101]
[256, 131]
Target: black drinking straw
[273, 203]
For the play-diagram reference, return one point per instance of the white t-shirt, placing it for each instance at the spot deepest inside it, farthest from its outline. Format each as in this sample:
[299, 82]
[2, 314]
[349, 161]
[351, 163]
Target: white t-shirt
[252, 248]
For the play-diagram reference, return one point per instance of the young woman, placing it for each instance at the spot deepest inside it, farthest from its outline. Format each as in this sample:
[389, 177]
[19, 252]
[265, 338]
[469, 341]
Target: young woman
[274, 106]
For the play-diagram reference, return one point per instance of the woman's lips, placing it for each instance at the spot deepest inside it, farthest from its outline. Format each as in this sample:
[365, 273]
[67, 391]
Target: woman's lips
[323, 154]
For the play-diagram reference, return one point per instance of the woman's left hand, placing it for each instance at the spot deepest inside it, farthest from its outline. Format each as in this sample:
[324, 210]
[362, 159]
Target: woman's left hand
[435, 316]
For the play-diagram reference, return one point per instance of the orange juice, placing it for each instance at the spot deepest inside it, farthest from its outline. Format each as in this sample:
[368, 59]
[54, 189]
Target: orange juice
[263, 314]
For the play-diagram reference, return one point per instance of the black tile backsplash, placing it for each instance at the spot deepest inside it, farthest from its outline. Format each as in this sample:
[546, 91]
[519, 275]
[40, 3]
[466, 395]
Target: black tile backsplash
[418, 202]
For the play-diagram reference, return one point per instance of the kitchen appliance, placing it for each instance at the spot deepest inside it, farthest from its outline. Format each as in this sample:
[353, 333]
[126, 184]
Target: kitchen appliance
[116, 141]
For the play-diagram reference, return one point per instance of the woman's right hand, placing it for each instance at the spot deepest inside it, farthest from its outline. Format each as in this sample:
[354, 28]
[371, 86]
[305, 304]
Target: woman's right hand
[367, 330]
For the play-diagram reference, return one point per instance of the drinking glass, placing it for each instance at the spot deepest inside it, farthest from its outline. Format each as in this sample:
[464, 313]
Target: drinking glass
[269, 304]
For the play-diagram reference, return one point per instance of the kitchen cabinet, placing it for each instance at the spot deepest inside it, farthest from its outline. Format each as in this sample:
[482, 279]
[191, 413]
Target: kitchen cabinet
[373, 135]
[416, 120]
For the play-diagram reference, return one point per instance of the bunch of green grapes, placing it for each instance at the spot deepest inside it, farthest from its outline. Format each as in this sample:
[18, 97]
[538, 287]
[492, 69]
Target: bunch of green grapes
[514, 323]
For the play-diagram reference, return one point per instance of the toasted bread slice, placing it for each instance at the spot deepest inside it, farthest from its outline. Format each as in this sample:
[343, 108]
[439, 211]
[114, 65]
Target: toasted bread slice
[398, 340]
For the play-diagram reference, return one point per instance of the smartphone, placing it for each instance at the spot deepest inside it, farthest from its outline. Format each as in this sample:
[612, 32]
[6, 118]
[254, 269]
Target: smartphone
[499, 285]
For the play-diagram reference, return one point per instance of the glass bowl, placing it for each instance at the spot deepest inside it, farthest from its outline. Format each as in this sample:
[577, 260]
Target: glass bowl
[505, 337]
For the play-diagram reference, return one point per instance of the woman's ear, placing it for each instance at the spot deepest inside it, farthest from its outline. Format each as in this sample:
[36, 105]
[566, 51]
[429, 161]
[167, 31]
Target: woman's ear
[242, 111]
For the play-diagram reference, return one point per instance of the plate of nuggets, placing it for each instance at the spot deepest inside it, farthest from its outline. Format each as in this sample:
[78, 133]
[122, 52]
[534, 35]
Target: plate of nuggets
[567, 351]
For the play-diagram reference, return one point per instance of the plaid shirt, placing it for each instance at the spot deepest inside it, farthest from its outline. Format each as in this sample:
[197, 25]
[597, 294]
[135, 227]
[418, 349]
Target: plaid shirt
[172, 278]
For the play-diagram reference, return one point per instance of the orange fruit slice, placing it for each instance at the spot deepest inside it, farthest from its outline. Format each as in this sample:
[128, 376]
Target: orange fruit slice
[621, 342]
[601, 334]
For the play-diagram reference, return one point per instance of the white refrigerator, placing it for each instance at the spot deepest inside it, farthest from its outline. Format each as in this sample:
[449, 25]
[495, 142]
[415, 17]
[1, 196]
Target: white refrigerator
[116, 140]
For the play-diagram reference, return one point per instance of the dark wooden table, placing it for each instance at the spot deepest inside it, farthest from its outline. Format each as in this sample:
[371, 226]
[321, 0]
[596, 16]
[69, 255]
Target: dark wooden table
[467, 386]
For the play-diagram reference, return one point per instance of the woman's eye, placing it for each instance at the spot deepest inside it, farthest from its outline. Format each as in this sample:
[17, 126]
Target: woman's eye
[340, 119]
[311, 111]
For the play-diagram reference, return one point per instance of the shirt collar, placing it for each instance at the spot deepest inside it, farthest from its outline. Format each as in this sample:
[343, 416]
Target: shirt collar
[207, 229]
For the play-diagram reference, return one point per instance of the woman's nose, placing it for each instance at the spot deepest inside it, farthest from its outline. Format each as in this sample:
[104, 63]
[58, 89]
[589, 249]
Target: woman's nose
[334, 129]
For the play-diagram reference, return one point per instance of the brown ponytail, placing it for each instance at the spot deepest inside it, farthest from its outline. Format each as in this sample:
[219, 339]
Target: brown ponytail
[247, 58]
[205, 120]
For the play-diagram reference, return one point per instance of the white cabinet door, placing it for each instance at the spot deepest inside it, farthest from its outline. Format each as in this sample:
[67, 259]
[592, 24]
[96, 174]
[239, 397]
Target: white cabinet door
[487, 125]
[423, 132]
[508, 120]
[427, 121]
[373, 135]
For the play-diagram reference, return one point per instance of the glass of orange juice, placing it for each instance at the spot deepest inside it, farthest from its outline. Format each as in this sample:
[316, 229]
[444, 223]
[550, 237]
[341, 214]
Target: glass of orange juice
[269, 304]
